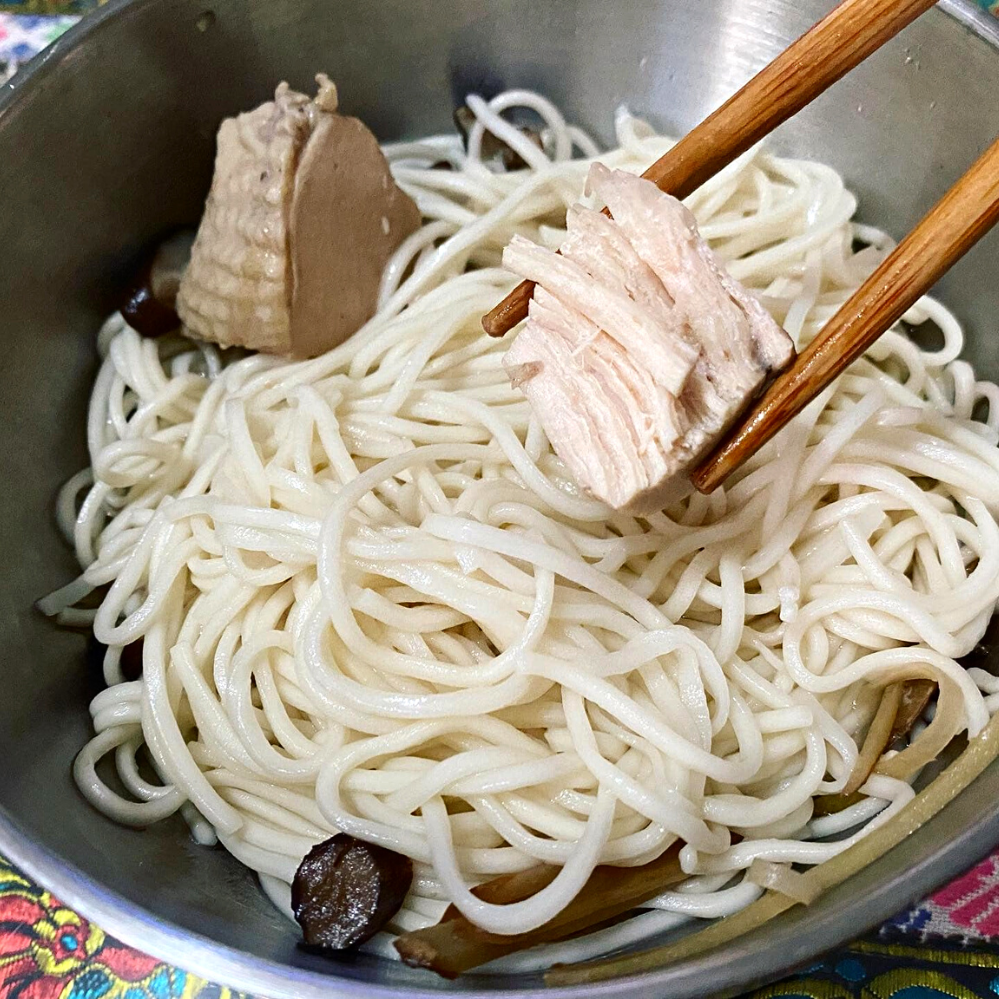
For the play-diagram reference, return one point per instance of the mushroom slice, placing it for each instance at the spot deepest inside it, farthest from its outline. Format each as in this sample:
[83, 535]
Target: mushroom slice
[346, 890]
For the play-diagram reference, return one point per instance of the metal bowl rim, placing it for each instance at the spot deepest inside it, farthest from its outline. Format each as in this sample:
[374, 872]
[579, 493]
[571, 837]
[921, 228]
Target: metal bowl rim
[203, 956]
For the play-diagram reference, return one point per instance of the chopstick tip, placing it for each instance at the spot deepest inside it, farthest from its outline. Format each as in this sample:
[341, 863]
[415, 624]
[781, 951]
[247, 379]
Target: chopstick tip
[492, 322]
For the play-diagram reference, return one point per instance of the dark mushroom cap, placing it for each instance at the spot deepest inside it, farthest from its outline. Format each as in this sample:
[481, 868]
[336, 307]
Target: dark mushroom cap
[346, 890]
[149, 305]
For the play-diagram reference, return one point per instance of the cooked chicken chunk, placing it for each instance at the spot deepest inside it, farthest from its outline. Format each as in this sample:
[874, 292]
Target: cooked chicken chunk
[302, 215]
[639, 350]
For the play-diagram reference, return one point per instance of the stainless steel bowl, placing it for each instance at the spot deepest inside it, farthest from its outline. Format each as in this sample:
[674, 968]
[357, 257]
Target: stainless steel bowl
[106, 142]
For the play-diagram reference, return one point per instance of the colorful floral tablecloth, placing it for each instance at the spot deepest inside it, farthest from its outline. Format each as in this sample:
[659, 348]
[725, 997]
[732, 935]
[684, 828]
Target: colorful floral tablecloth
[947, 946]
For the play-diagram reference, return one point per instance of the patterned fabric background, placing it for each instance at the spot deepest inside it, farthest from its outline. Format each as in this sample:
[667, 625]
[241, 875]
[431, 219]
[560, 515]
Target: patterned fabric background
[22, 35]
[947, 946]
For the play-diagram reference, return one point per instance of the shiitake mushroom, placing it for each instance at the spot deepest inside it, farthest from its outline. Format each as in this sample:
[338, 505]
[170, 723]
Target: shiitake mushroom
[494, 148]
[149, 304]
[346, 890]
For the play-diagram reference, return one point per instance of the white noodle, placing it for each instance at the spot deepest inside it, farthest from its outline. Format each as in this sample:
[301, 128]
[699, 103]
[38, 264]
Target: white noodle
[366, 587]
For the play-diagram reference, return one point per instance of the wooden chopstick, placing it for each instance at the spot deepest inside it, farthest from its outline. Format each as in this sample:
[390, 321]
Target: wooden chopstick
[829, 50]
[964, 214]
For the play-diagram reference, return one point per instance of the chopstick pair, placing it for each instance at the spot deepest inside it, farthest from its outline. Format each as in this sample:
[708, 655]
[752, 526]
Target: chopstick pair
[834, 46]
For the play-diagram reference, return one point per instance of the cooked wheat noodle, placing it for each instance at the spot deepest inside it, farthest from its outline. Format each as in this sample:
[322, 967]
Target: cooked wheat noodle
[371, 600]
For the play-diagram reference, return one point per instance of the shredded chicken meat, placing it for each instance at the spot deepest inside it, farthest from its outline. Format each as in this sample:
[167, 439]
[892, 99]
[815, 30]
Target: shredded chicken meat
[639, 350]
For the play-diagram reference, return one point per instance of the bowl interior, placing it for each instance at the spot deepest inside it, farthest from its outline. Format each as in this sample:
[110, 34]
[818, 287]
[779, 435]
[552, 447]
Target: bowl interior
[108, 142]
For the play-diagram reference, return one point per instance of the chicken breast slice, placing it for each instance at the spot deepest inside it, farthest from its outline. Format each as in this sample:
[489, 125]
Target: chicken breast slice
[236, 288]
[639, 351]
[300, 220]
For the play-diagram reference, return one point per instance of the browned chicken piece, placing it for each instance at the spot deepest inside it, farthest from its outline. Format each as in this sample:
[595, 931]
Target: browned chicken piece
[301, 218]
[639, 350]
